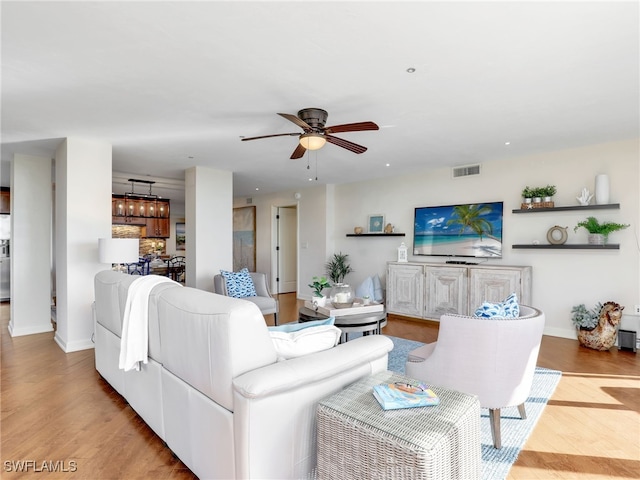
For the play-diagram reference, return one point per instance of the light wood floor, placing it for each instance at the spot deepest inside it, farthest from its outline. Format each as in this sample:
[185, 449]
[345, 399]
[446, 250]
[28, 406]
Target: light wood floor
[56, 408]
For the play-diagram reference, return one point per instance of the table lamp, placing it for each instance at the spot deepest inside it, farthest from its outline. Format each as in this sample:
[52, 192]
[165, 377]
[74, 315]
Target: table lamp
[118, 251]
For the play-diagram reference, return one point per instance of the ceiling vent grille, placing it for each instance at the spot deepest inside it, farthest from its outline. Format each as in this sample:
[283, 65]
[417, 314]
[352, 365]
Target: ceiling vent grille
[466, 170]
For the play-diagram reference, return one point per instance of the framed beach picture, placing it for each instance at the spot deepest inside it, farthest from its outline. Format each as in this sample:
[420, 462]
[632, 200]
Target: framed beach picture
[180, 236]
[244, 238]
[376, 223]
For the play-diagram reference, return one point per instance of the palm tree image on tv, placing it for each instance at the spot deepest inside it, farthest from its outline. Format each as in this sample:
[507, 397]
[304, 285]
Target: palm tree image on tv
[465, 230]
[470, 217]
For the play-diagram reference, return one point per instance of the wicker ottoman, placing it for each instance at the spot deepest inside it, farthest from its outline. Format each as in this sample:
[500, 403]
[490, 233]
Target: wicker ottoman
[359, 440]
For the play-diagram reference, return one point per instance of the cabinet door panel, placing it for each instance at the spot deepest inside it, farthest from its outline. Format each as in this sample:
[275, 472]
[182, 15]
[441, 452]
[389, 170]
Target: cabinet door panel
[446, 291]
[405, 290]
[492, 286]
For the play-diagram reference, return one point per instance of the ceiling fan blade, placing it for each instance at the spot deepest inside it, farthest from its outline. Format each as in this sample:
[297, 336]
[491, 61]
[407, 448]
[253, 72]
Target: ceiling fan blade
[341, 142]
[298, 152]
[292, 118]
[269, 136]
[352, 127]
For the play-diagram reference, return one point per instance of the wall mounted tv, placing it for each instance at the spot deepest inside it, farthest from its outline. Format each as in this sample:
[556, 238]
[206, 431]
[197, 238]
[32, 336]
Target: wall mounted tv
[466, 230]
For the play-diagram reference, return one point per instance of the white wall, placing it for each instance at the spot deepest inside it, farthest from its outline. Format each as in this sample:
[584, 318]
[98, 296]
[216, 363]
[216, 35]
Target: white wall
[30, 245]
[313, 244]
[561, 278]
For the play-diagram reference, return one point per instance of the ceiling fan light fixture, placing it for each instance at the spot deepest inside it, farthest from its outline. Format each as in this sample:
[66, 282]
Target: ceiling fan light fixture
[312, 141]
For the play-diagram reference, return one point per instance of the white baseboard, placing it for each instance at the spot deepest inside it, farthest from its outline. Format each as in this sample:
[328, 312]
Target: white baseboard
[73, 346]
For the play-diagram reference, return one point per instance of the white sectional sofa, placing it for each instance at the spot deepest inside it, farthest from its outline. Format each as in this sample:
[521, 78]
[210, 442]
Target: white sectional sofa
[213, 389]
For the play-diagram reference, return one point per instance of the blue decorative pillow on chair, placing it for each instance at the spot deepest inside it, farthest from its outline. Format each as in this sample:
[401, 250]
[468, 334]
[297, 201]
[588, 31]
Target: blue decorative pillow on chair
[239, 284]
[507, 309]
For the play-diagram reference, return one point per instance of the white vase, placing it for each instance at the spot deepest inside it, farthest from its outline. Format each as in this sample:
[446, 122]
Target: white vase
[319, 301]
[602, 189]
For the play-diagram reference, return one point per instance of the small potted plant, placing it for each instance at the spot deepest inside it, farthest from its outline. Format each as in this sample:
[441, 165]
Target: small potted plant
[342, 294]
[548, 192]
[318, 284]
[538, 193]
[584, 319]
[598, 232]
[527, 194]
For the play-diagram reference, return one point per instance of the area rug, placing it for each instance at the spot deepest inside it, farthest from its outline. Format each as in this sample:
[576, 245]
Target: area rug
[515, 431]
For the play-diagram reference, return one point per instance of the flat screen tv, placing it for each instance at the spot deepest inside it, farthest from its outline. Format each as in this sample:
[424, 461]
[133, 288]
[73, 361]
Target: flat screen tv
[466, 230]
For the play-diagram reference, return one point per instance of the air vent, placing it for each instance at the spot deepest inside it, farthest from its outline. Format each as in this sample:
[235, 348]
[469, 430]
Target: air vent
[249, 200]
[466, 171]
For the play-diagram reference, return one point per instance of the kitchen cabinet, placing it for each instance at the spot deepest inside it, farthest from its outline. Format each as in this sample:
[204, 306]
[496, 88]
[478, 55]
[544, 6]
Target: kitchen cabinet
[151, 213]
[157, 228]
[429, 290]
[5, 200]
[405, 287]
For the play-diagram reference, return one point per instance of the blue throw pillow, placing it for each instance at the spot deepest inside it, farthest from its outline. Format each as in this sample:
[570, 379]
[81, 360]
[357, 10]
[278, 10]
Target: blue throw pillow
[377, 289]
[507, 309]
[239, 284]
[295, 327]
[366, 289]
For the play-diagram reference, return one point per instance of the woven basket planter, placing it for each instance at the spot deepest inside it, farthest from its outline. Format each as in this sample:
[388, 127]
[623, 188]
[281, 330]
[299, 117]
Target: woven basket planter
[526, 206]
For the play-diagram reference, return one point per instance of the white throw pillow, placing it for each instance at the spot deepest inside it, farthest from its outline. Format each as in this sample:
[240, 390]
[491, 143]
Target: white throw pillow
[305, 341]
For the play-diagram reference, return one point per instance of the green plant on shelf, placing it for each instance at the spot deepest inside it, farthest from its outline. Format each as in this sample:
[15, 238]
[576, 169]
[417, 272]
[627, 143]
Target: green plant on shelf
[592, 226]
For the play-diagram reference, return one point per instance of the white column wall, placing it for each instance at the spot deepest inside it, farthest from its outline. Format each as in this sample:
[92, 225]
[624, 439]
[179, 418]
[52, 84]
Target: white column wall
[83, 214]
[208, 225]
[31, 192]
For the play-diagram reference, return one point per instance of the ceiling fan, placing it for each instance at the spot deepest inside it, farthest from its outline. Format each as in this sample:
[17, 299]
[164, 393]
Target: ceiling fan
[315, 134]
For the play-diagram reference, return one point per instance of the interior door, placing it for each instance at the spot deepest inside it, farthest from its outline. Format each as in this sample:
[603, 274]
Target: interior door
[287, 255]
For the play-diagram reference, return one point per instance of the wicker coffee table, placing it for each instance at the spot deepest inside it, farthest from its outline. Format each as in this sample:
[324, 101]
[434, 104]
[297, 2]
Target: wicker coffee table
[358, 440]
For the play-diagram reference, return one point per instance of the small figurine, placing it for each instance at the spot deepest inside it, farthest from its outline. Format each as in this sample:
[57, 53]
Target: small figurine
[388, 228]
[585, 198]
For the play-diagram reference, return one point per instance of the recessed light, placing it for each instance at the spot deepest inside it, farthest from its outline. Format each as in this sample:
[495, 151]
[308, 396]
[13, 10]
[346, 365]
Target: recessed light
[388, 165]
[411, 70]
[257, 189]
[507, 143]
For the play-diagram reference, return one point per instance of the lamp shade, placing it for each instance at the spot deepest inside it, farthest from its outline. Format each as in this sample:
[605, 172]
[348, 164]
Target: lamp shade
[118, 250]
[312, 141]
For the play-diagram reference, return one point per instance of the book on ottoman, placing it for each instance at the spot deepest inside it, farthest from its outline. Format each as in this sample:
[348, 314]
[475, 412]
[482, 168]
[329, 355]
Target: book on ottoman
[396, 395]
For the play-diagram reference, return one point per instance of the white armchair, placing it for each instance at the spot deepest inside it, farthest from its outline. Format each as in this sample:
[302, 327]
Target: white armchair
[494, 359]
[265, 302]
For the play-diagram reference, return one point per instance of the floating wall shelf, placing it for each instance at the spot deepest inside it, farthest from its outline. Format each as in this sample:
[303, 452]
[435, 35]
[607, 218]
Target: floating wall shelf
[584, 246]
[375, 234]
[607, 206]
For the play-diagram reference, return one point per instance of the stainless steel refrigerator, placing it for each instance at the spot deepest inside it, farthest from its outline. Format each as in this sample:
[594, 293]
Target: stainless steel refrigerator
[5, 258]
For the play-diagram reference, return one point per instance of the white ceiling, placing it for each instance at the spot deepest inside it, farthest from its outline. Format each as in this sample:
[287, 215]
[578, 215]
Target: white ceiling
[176, 84]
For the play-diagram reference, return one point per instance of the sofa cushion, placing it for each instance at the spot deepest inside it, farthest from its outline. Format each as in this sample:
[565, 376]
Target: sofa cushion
[294, 327]
[239, 284]
[509, 308]
[298, 339]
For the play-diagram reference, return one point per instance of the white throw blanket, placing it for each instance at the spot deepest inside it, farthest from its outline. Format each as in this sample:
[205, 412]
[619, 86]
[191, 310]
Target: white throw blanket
[134, 344]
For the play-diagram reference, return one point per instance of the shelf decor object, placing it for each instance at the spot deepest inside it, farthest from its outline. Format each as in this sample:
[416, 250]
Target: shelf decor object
[538, 197]
[611, 206]
[557, 235]
[376, 223]
[375, 234]
[402, 253]
[602, 189]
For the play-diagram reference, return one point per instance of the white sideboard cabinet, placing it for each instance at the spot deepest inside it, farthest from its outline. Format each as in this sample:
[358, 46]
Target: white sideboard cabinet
[428, 290]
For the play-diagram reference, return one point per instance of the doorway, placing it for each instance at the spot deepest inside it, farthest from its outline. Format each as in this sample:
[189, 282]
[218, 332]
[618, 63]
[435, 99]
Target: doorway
[285, 242]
